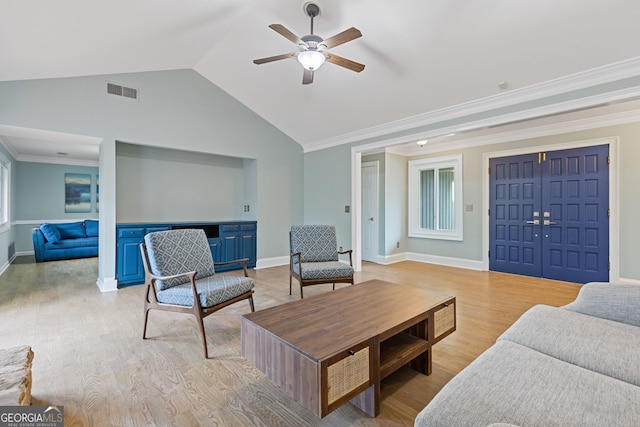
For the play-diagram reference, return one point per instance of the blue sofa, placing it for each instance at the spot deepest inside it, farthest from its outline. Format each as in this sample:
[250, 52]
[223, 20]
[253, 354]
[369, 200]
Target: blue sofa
[65, 241]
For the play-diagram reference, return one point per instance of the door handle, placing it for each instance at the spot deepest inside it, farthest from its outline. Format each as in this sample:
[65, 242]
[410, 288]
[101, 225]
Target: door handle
[547, 222]
[534, 222]
[371, 219]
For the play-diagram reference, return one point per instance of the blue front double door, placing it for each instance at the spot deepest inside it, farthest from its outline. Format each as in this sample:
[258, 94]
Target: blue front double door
[549, 214]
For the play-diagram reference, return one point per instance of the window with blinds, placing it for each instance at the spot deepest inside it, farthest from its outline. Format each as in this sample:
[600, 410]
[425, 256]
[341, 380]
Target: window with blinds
[435, 198]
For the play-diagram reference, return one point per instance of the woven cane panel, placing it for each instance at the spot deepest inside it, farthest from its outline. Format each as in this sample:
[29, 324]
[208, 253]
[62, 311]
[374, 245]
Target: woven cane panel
[347, 374]
[444, 319]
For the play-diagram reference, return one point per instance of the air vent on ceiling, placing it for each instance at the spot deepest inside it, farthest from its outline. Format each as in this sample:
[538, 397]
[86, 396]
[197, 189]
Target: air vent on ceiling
[127, 92]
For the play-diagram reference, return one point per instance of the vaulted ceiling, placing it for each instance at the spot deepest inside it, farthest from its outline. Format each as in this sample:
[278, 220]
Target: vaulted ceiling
[422, 57]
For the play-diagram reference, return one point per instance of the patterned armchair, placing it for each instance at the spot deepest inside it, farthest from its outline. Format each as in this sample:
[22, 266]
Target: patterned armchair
[314, 257]
[178, 265]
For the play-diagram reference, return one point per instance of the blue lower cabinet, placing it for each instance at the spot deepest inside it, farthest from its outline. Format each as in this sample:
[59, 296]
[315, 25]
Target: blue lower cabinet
[214, 245]
[228, 241]
[238, 241]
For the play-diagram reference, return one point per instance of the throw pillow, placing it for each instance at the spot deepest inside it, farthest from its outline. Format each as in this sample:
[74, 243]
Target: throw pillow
[72, 230]
[50, 232]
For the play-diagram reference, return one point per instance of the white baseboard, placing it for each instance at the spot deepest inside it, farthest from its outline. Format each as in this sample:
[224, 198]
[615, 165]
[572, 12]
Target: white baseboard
[7, 264]
[626, 281]
[392, 259]
[433, 259]
[25, 253]
[108, 284]
[272, 262]
[448, 261]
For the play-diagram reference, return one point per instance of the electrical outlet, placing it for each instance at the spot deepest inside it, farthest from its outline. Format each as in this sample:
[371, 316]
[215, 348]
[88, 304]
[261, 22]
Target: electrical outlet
[347, 209]
[398, 245]
[247, 208]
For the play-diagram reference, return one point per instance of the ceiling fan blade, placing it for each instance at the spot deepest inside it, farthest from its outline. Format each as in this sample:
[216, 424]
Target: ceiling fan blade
[343, 37]
[307, 77]
[280, 29]
[344, 62]
[274, 58]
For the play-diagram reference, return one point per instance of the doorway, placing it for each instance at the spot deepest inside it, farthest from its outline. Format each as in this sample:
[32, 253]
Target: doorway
[369, 221]
[549, 214]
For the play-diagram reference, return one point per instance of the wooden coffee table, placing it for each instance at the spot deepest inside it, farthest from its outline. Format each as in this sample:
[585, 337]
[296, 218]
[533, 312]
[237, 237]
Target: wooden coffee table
[336, 347]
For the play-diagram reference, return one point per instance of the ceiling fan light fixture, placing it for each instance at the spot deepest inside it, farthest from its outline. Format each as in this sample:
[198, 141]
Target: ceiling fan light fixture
[422, 142]
[311, 59]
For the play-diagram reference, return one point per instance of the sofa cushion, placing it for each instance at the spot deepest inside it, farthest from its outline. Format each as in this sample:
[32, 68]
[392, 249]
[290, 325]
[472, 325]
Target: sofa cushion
[91, 227]
[73, 243]
[71, 230]
[513, 384]
[604, 346]
[50, 232]
[212, 290]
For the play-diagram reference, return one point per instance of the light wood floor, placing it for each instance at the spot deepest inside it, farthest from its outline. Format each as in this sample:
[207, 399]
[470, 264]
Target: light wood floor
[90, 357]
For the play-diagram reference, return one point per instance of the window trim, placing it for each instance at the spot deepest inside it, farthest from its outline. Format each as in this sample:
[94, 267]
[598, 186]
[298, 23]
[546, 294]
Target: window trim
[419, 165]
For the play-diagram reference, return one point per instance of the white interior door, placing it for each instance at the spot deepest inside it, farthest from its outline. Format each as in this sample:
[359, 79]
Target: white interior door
[370, 211]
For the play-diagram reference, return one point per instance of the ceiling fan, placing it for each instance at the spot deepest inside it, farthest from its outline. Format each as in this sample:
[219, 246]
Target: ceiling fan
[312, 49]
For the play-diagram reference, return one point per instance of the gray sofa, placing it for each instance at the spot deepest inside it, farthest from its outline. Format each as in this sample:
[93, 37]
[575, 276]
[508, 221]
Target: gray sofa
[577, 365]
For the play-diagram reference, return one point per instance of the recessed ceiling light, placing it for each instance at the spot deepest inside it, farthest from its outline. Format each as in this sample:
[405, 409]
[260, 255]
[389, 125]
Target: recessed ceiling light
[422, 142]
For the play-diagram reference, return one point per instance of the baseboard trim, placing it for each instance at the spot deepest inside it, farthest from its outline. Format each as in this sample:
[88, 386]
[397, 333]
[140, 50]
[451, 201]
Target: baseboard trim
[432, 259]
[108, 284]
[626, 281]
[392, 259]
[25, 253]
[7, 264]
[272, 262]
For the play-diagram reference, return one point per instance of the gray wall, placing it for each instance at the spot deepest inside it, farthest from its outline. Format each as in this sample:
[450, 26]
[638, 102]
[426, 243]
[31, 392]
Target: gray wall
[177, 109]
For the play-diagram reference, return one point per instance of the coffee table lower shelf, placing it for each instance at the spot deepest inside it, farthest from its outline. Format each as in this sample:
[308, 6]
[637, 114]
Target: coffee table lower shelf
[399, 350]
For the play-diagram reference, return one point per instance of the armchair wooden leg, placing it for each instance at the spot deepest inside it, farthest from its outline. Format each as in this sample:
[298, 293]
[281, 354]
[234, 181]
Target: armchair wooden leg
[290, 283]
[334, 286]
[146, 318]
[251, 304]
[301, 294]
[204, 337]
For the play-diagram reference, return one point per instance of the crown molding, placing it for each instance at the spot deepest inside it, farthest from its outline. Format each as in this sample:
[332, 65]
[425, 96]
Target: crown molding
[587, 79]
[7, 145]
[613, 119]
[58, 160]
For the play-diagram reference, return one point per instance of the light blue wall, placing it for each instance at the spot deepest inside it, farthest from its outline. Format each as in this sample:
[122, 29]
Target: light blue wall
[161, 185]
[177, 109]
[39, 197]
[327, 190]
[395, 209]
